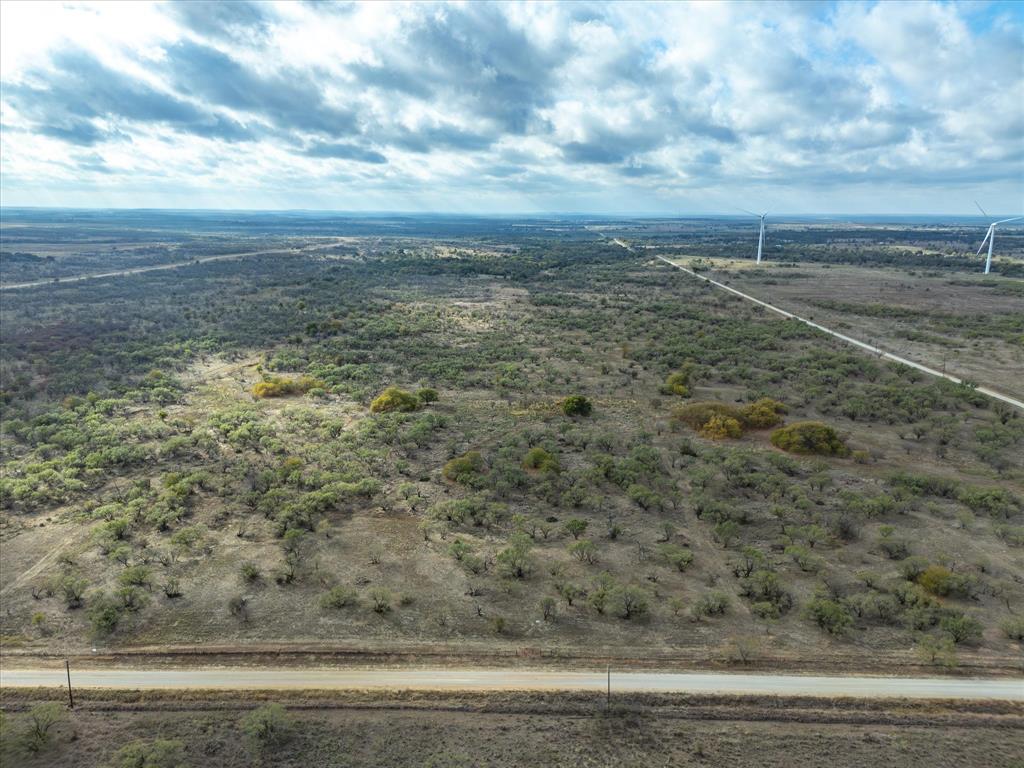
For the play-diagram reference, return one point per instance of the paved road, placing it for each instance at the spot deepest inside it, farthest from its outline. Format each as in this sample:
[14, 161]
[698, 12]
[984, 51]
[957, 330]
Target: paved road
[848, 339]
[482, 679]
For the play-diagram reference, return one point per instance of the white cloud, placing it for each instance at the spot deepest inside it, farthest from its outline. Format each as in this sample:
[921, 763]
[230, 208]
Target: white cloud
[634, 106]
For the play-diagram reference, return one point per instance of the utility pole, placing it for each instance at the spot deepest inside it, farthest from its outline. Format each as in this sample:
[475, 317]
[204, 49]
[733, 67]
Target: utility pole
[608, 695]
[71, 697]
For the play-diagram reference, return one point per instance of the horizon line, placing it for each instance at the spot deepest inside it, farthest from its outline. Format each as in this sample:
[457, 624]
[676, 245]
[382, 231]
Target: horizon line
[495, 214]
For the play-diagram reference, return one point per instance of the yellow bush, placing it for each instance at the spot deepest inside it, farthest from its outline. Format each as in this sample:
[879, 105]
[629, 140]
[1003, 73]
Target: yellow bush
[762, 413]
[394, 399]
[278, 386]
[719, 427]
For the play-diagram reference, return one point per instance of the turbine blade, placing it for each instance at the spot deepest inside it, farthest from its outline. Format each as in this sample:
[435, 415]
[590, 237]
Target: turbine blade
[750, 212]
[981, 209]
[987, 236]
[1015, 218]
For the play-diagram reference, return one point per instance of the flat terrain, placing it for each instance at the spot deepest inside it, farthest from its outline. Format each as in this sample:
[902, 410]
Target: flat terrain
[410, 729]
[968, 326]
[191, 458]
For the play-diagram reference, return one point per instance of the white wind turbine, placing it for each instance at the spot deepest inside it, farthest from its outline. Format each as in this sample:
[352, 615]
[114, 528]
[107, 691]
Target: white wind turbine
[990, 236]
[760, 239]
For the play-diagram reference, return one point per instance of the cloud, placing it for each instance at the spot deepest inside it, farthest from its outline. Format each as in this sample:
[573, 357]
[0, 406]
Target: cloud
[79, 88]
[511, 104]
[341, 151]
[286, 98]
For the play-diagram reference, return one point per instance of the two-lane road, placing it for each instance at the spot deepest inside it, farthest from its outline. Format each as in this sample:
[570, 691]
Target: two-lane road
[490, 679]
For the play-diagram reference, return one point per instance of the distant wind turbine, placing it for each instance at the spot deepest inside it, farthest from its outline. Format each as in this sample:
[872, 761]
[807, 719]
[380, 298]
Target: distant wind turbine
[990, 236]
[760, 239]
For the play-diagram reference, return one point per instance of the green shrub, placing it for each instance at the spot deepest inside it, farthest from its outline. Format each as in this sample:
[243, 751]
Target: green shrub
[104, 614]
[576, 405]
[426, 395]
[465, 469]
[268, 726]
[394, 399]
[961, 628]
[1013, 628]
[831, 616]
[809, 437]
[678, 557]
[711, 604]
[338, 597]
[540, 459]
[627, 602]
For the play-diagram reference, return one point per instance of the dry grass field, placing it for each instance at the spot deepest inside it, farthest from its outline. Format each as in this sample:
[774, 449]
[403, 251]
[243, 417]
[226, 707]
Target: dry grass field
[971, 326]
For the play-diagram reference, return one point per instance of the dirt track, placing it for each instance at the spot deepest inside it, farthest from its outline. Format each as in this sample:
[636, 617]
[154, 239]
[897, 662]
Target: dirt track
[481, 679]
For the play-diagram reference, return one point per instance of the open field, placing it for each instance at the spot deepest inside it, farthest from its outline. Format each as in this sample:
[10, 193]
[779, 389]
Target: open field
[190, 459]
[399, 729]
[970, 326]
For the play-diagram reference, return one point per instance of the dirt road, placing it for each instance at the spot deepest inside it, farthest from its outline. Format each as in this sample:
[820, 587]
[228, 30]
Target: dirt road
[483, 679]
[173, 265]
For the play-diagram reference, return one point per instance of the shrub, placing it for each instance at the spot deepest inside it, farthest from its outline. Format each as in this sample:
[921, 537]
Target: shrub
[809, 437]
[676, 556]
[1013, 628]
[678, 383]
[831, 616]
[762, 413]
[936, 579]
[961, 628]
[277, 386]
[628, 602]
[394, 399]
[381, 598]
[718, 420]
[721, 427]
[268, 726]
[158, 753]
[250, 572]
[540, 459]
[711, 604]
[584, 550]
[937, 650]
[514, 561]
[104, 614]
[427, 395]
[41, 719]
[238, 606]
[576, 527]
[576, 405]
[465, 469]
[696, 415]
[337, 597]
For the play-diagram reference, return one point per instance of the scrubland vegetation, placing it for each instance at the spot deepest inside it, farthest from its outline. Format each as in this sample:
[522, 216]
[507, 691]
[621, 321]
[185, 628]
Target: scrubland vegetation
[533, 441]
[332, 728]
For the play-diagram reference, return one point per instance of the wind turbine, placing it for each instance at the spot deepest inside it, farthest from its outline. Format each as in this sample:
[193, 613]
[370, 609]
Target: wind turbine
[760, 239]
[990, 236]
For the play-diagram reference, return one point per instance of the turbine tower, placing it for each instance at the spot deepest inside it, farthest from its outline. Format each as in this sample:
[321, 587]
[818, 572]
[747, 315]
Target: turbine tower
[990, 236]
[760, 239]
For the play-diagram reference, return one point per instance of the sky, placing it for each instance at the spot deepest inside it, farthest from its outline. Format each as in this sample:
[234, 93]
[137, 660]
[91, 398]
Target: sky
[666, 108]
